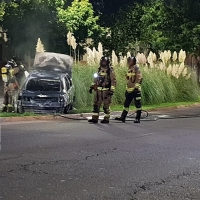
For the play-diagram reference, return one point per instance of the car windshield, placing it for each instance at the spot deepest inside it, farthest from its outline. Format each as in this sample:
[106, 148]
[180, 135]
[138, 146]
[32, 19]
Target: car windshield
[37, 84]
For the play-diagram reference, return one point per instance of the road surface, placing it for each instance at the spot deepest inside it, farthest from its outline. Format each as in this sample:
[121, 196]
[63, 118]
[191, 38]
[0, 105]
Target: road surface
[71, 160]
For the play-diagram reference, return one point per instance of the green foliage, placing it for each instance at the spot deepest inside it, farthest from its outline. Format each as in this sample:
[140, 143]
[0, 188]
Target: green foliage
[27, 114]
[108, 10]
[79, 18]
[195, 38]
[158, 25]
[187, 89]
[150, 24]
[2, 10]
[156, 28]
[50, 20]
[126, 31]
[157, 87]
[82, 78]
[186, 17]
[28, 20]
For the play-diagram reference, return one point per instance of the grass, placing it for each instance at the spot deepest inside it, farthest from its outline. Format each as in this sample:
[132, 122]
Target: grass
[157, 106]
[17, 114]
[145, 107]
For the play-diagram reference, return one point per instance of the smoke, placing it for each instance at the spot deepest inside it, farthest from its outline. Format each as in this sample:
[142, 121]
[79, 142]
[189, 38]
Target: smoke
[21, 78]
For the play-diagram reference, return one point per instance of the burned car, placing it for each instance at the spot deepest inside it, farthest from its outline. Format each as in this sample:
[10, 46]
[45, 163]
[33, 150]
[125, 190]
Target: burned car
[49, 87]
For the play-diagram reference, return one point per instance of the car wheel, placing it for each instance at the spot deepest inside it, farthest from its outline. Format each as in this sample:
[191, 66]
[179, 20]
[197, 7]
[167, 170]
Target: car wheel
[66, 109]
[72, 104]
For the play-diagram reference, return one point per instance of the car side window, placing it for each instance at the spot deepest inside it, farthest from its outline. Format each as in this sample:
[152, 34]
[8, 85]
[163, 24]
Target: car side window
[67, 83]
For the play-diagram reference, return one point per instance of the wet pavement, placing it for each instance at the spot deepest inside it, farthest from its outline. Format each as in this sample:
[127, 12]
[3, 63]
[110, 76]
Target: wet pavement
[176, 113]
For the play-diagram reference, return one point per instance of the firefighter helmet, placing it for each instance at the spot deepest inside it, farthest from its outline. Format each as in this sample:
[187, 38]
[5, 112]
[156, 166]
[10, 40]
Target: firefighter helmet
[132, 59]
[105, 61]
[12, 63]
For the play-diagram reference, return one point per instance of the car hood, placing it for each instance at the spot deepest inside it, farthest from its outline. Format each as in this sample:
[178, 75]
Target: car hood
[55, 62]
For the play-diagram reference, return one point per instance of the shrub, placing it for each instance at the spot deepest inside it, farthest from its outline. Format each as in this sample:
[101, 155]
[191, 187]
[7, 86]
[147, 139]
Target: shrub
[158, 87]
[166, 79]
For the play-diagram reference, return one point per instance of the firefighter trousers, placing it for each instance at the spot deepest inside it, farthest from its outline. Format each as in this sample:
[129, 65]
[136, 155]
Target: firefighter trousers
[102, 97]
[8, 98]
[136, 96]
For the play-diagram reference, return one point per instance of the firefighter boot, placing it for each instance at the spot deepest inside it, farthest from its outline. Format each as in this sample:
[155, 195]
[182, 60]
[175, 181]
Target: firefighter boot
[94, 120]
[123, 116]
[138, 116]
[4, 109]
[106, 117]
[95, 116]
[105, 121]
[10, 108]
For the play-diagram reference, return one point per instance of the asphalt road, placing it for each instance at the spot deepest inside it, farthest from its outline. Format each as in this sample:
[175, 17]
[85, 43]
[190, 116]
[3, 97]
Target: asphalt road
[67, 160]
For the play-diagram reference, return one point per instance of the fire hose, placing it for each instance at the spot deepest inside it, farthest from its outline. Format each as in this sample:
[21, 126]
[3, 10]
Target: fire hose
[145, 114]
[144, 117]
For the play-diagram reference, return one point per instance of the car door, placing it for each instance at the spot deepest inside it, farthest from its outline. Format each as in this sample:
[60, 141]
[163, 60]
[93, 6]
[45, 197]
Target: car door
[69, 85]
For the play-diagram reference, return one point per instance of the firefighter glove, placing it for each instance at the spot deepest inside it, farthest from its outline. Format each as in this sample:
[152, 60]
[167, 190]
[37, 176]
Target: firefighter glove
[111, 93]
[90, 90]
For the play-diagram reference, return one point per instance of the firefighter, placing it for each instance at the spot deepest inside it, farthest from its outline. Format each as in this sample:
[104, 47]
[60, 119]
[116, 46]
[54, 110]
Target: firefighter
[133, 90]
[104, 87]
[11, 85]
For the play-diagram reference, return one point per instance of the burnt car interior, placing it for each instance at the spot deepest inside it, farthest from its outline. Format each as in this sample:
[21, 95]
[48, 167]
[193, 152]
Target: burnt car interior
[37, 84]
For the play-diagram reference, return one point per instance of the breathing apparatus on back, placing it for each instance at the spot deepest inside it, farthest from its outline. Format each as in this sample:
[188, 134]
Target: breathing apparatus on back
[8, 71]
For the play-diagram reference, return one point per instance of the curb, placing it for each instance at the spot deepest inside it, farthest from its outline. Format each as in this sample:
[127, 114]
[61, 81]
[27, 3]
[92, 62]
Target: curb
[84, 115]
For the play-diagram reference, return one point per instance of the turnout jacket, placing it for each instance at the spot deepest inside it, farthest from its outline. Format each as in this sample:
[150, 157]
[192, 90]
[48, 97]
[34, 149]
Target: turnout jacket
[134, 79]
[106, 79]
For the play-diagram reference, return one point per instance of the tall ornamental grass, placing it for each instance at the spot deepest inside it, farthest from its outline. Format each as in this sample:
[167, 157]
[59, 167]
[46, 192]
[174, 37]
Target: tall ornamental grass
[157, 87]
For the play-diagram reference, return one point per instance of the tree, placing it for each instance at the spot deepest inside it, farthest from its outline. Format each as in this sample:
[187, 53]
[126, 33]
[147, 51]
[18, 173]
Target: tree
[126, 32]
[2, 10]
[169, 24]
[156, 25]
[79, 18]
[27, 20]
[109, 10]
[196, 40]
[188, 19]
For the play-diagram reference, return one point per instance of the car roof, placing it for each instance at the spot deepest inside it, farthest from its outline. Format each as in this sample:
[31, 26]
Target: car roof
[46, 74]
